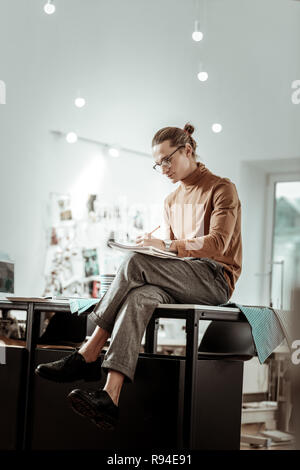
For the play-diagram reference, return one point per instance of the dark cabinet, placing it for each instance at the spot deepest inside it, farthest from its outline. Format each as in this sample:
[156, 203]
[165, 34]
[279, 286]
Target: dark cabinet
[12, 385]
[150, 408]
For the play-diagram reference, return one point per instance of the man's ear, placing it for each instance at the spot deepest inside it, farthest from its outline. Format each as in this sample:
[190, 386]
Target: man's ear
[189, 149]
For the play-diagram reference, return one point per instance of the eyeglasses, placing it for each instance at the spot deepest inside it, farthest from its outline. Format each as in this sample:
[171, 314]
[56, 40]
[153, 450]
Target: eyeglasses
[166, 161]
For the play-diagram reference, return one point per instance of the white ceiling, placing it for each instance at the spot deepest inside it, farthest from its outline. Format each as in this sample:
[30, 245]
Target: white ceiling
[136, 64]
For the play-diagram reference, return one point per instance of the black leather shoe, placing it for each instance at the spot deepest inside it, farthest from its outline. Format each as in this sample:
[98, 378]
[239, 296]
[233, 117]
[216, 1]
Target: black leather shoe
[70, 368]
[95, 405]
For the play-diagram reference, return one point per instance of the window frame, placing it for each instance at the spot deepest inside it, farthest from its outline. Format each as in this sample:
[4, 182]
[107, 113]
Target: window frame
[272, 179]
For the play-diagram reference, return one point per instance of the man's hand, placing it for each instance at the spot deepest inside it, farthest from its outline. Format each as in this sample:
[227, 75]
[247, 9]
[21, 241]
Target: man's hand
[148, 240]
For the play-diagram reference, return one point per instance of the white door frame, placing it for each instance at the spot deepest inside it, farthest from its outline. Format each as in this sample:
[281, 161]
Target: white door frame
[272, 179]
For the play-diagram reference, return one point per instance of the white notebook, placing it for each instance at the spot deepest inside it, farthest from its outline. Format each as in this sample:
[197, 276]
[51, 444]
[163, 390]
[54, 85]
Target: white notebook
[146, 250]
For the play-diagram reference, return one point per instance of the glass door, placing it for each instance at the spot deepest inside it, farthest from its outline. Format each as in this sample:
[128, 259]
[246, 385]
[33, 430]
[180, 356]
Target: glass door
[285, 249]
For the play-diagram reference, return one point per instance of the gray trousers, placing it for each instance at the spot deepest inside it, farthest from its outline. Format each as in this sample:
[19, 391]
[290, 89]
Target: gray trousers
[141, 283]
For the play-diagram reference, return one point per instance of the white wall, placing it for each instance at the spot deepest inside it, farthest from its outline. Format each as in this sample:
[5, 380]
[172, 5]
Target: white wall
[136, 64]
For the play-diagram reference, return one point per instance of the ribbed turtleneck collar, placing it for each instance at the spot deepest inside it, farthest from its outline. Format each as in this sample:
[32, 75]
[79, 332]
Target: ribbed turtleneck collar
[194, 177]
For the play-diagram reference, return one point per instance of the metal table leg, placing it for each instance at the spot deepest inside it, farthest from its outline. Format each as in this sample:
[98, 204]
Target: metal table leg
[192, 325]
[32, 333]
[151, 336]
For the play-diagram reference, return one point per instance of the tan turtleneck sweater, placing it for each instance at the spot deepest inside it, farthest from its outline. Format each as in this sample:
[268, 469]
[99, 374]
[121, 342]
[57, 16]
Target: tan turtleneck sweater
[203, 217]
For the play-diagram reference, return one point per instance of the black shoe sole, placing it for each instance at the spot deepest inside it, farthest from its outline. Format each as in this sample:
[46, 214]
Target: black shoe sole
[39, 373]
[83, 408]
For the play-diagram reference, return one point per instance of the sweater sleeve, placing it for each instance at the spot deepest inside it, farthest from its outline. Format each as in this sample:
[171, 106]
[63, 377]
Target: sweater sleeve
[222, 224]
[167, 230]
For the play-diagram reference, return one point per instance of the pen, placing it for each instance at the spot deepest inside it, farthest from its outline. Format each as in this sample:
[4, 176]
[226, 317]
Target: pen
[154, 230]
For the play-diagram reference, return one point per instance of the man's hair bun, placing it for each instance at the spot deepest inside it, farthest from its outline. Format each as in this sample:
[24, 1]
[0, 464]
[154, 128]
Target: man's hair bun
[176, 137]
[189, 128]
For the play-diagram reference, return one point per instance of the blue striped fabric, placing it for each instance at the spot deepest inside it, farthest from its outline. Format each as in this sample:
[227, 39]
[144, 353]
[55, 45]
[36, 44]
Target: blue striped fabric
[81, 305]
[266, 330]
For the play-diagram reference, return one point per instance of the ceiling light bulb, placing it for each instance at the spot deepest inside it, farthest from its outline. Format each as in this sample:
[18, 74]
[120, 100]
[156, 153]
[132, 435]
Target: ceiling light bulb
[202, 76]
[113, 152]
[71, 137]
[49, 8]
[216, 128]
[79, 102]
[197, 34]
